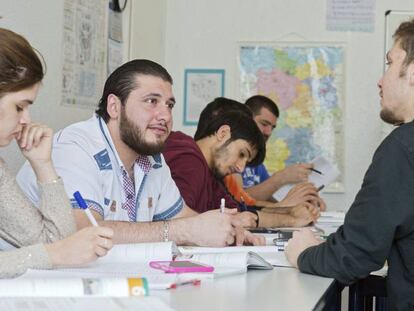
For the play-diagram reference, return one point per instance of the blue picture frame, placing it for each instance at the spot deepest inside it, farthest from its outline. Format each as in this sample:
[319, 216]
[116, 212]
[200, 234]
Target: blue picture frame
[201, 86]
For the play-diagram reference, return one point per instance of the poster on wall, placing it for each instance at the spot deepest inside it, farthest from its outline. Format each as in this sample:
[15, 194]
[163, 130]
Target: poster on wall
[201, 86]
[350, 15]
[84, 52]
[307, 83]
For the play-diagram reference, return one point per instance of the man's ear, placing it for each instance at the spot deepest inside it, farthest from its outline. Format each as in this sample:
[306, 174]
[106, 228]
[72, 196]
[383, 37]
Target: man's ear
[223, 133]
[113, 106]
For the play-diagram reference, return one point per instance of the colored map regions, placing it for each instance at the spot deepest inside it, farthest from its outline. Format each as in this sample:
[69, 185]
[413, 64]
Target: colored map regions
[306, 82]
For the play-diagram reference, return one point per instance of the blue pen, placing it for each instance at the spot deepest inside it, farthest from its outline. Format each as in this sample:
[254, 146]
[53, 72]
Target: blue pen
[82, 205]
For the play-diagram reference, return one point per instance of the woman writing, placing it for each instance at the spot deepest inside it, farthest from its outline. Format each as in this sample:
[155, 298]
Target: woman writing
[45, 237]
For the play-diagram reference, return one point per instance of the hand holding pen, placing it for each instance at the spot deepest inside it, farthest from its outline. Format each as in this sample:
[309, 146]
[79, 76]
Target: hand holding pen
[82, 204]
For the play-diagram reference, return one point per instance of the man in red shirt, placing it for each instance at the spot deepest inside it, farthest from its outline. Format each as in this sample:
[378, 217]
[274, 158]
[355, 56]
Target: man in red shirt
[224, 146]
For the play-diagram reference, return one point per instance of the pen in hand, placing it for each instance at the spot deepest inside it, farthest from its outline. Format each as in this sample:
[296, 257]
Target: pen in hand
[222, 205]
[316, 171]
[82, 204]
[243, 207]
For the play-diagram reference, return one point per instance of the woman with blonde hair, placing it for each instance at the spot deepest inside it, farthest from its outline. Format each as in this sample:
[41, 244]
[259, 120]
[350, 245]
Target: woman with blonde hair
[46, 237]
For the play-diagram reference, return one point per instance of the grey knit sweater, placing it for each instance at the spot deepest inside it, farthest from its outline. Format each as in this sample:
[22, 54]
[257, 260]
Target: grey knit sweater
[27, 227]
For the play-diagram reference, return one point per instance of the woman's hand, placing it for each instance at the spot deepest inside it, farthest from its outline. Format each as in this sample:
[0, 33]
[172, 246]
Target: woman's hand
[81, 247]
[35, 142]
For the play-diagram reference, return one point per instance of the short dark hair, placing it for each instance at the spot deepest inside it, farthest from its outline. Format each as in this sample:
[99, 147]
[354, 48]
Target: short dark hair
[122, 81]
[257, 102]
[242, 126]
[405, 36]
[21, 65]
[218, 106]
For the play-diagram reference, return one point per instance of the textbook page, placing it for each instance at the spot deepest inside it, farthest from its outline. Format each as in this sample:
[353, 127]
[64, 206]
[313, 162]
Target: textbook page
[139, 252]
[84, 304]
[268, 253]
[329, 174]
[123, 261]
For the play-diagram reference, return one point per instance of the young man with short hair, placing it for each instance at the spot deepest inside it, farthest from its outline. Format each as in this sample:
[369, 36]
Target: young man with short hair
[379, 226]
[256, 179]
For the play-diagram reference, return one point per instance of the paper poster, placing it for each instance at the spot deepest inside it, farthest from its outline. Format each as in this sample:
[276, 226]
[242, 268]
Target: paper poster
[350, 15]
[84, 52]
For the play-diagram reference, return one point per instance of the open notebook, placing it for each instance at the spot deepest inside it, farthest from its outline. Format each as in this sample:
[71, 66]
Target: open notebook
[237, 257]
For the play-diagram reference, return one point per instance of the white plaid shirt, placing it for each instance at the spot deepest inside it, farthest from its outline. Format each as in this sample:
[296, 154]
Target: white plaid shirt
[86, 159]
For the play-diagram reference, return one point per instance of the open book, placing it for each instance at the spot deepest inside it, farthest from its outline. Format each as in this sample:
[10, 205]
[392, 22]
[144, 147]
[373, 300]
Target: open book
[237, 257]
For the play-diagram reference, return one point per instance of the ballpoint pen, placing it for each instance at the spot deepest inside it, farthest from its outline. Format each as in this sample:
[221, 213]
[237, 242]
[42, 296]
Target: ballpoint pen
[82, 204]
[316, 171]
[222, 205]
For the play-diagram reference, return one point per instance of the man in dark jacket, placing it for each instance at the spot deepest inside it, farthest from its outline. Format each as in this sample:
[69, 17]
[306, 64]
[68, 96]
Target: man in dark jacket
[379, 226]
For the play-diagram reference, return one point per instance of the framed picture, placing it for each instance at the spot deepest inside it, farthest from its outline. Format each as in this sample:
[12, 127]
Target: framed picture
[201, 86]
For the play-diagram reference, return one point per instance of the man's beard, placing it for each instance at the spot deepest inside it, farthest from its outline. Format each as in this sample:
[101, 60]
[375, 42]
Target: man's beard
[220, 153]
[133, 137]
[389, 117]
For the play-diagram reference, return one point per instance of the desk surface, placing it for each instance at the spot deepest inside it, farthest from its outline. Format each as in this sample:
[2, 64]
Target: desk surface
[285, 288]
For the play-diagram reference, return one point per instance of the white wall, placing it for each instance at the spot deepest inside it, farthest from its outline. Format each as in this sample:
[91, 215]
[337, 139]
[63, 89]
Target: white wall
[148, 30]
[204, 34]
[41, 23]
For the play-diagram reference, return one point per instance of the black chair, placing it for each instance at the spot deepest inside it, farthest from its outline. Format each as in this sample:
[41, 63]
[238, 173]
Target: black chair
[363, 292]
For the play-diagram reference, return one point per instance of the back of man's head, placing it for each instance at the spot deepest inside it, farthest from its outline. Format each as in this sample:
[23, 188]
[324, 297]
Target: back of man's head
[404, 35]
[218, 106]
[242, 126]
[257, 102]
[123, 81]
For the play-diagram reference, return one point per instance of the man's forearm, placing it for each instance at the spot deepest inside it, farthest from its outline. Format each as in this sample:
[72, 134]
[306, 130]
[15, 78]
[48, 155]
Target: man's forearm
[178, 230]
[265, 189]
[275, 220]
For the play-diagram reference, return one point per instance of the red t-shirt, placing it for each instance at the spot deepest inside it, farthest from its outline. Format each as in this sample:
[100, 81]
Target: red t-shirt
[198, 186]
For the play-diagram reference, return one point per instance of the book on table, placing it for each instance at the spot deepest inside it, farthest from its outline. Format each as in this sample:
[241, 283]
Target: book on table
[112, 274]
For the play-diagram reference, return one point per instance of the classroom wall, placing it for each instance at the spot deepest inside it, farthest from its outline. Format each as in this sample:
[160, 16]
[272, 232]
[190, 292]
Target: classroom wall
[148, 30]
[204, 34]
[41, 22]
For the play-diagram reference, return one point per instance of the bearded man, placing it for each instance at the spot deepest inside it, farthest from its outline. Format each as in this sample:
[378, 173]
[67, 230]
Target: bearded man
[114, 160]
